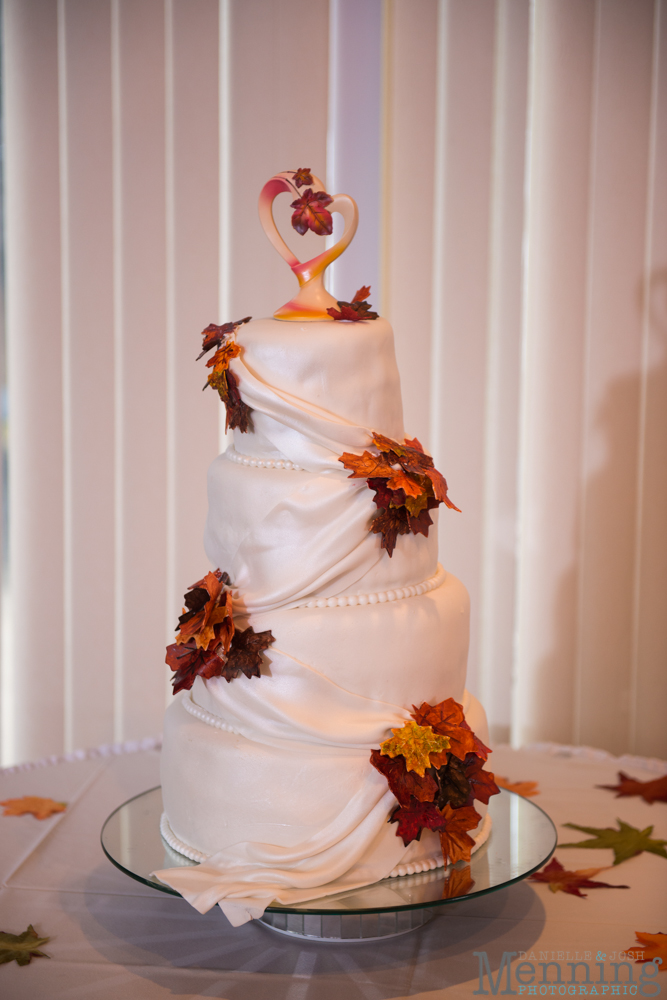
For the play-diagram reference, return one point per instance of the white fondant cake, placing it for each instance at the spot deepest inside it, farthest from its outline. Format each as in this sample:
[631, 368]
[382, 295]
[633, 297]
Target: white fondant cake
[267, 781]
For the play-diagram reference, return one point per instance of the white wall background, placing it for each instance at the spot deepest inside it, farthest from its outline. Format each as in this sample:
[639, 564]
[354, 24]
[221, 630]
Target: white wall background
[510, 161]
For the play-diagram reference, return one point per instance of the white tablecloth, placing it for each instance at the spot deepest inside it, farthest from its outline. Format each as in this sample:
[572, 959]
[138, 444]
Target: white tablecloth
[114, 939]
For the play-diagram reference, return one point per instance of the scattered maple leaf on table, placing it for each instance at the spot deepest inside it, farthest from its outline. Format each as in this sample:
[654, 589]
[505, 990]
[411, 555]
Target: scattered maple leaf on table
[310, 212]
[417, 744]
[245, 653]
[653, 946]
[650, 791]
[21, 948]
[40, 808]
[626, 842]
[458, 884]
[561, 880]
[302, 176]
[524, 788]
[455, 841]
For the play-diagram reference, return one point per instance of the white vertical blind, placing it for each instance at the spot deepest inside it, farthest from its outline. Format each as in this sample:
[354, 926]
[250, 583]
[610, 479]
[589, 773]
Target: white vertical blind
[513, 156]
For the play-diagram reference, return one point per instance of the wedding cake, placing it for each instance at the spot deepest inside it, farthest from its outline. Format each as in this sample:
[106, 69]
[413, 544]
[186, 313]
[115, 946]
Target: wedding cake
[328, 624]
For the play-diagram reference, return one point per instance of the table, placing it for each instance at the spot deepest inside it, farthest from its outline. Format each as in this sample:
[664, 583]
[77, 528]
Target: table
[114, 939]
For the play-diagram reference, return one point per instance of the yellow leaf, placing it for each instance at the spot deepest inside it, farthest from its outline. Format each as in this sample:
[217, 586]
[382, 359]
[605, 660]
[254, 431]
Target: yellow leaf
[416, 744]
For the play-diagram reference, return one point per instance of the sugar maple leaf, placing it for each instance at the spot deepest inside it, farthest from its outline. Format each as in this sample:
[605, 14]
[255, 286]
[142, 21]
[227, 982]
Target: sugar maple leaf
[366, 466]
[189, 662]
[477, 746]
[214, 335]
[40, 808]
[447, 719]
[310, 212]
[362, 294]
[453, 784]
[458, 884]
[440, 489]
[626, 842]
[420, 524]
[302, 176]
[483, 784]
[390, 524]
[650, 791]
[416, 744]
[561, 880]
[220, 360]
[455, 841]
[21, 948]
[652, 946]
[414, 818]
[356, 310]
[403, 783]
[244, 655]
[525, 788]
[201, 626]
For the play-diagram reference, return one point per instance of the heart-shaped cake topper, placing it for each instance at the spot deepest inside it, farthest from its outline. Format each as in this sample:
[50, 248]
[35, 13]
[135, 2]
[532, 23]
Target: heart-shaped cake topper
[312, 300]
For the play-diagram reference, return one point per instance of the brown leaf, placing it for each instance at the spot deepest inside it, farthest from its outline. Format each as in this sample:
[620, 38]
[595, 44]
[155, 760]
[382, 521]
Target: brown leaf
[483, 784]
[561, 880]
[459, 883]
[525, 788]
[201, 626]
[310, 212]
[650, 791]
[447, 719]
[456, 844]
[239, 414]
[189, 662]
[403, 783]
[214, 335]
[245, 653]
[453, 784]
[35, 805]
[390, 524]
[414, 818]
[651, 946]
[357, 309]
[302, 176]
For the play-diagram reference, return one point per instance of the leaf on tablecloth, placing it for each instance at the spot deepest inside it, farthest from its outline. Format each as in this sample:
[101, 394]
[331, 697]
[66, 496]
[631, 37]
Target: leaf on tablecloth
[524, 788]
[39, 807]
[626, 842]
[455, 841]
[417, 744]
[21, 948]
[651, 946]
[561, 880]
[458, 884]
[650, 791]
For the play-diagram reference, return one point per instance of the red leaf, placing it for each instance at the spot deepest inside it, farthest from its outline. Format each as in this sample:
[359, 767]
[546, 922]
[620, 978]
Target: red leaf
[390, 524]
[403, 783]
[310, 212]
[302, 176]
[650, 791]
[561, 880]
[414, 818]
[214, 335]
[189, 662]
[482, 783]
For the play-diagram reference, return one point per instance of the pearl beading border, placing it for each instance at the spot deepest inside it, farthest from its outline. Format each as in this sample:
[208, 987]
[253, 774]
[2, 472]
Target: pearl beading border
[261, 463]
[382, 596]
[428, 865]
[207, 717]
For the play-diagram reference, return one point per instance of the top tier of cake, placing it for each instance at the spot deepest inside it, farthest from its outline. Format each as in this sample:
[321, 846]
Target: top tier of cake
[285, 520]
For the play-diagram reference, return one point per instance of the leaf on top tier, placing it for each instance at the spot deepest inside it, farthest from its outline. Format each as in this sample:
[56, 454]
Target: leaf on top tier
[625, 842]
[447, 719]
[560, 880]
[245, 653]
[21, 948]
[214, 335]
[455, 841]
[302, 176]
[221, 378]
[35, 805]
[418, 744]
[403, 783]
[412, 819]
[650, 791]
[356, 310]
[310, 212]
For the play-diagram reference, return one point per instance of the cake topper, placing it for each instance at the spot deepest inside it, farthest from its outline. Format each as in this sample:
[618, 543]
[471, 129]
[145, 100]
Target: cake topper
[312, 210]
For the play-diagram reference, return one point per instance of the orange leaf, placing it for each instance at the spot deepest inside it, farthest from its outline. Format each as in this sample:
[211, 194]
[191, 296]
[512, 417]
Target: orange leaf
[447, 719]
[362, 294]
[39, 807]
[525, 788]
[652, 946]
[366, 466]
[458, 884]
[650, 791]
[561, 880]
[440, 488]
[399, 480]
[456, 843]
